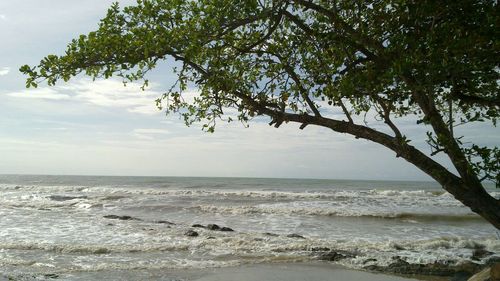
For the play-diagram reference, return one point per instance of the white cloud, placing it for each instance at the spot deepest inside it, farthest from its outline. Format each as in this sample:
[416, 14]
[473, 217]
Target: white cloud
[3, 17]
[40, 93]
[149, 134]
[102, 93]
[151, 131]
[4, 70]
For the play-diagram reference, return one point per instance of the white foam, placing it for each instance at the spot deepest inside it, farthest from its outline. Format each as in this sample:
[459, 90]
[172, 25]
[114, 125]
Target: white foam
[344, 209]
[331, 194]
[74, 227]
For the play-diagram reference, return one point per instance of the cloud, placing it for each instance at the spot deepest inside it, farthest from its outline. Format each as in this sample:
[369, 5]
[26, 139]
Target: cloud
[41, 93]
[149, 134]
[4, 70]
[151, 131]
[101, 93]
[3, 17]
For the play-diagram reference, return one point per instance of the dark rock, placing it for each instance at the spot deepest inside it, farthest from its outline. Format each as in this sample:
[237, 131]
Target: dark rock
[113, 197]
[123, 218]
[165, 222]
[398, 247]
[461, 276]
[320, 249]
[493, 260]
[495, 271]
[51, 275]
[198, 225]
[398, 261]
[336, 255]
[469, 267]
[191, 233]
[480, 253]
[401, 266]
[225, 229]
[65, 198]
[109, 224]
[213, 227]
[369, 260]
[210, 237]
[483, 275]
[294, 235]
[271, 234]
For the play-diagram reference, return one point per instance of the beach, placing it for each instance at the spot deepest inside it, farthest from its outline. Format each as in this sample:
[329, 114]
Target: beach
[156, 228]
[259, 272]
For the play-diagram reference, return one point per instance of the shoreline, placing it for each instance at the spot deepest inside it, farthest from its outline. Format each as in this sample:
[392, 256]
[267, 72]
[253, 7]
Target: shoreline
[288, 271]
[311, 271]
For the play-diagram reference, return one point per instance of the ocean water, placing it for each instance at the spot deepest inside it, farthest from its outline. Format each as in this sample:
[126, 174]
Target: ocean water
[57, 224]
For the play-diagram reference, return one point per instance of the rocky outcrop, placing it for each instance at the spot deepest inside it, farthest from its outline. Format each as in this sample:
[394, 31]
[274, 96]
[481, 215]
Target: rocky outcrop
[495, 272]
[483, 275]
[123, 218]
[480, 253]
[336, 255]
[191, 233]
[320, 249]
[213, 227]
[294, 235]
[164, 222]
[65, 197]
[399, 266]
[488, 274]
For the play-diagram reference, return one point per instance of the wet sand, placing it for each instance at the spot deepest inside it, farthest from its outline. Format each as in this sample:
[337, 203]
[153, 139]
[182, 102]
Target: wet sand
[294, 272]
[312, 271]
[303, 271]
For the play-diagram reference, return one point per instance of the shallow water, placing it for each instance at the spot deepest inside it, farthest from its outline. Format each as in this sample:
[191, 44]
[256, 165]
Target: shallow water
[56, 224]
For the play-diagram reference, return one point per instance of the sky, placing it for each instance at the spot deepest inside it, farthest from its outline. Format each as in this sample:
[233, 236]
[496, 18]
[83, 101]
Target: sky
[100, 127]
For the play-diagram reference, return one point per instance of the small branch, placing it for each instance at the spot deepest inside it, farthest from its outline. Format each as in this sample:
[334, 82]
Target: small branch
[453, 149]
[450, 116]
[334, 17]
[475, 100]
[437, 151]
[338, 38]
[303, 91]
[346, 112]
[264, 38]
[386, 114]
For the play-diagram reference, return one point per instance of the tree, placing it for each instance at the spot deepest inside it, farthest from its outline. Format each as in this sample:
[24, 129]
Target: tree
[305, 61]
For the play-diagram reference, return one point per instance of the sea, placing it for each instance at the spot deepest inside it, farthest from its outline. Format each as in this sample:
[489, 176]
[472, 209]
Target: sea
[96, 227]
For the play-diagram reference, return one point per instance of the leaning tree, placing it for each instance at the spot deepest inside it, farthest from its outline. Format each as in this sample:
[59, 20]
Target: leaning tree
[306, 61]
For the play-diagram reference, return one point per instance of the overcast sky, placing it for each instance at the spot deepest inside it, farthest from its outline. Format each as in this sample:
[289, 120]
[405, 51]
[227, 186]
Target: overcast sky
[103, 128]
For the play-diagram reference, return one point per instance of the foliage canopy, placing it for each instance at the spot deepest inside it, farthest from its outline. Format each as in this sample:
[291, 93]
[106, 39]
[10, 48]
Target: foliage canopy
[301, 60]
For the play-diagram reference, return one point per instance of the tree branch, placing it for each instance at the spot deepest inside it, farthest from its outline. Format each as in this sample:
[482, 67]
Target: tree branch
[386, 114]
[340, 39]
[475, 100]
[334, 17]
[302, 90]
[346, 112]
[453, 150]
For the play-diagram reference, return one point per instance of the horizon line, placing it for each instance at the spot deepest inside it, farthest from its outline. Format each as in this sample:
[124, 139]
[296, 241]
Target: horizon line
[220, 177]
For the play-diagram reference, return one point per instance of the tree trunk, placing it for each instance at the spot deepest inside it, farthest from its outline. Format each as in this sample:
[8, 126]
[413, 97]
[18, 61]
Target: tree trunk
[473, 196]
[479, 201]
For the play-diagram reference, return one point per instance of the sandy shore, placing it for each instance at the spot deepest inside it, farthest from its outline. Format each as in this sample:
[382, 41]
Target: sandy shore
[294, 272]
[313, 271]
